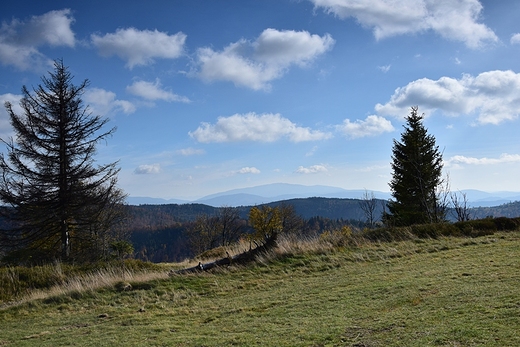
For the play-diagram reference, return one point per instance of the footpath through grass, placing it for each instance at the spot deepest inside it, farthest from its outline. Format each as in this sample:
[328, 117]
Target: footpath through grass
[447, 292]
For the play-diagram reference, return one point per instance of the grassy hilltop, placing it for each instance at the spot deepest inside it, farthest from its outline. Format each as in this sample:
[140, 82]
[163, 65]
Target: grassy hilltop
[445, 292]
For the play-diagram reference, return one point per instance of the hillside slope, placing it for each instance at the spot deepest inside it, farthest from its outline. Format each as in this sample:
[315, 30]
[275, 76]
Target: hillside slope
[447, 292]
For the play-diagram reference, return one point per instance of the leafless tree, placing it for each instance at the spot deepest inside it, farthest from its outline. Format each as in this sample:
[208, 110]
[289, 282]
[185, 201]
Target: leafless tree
[222, 229]
[368, 205]
[291, 221]
[460, 206]
[442, 200]
[230, 225]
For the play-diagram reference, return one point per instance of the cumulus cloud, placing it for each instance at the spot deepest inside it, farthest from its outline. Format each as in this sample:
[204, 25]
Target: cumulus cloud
[494, 96]
[253, 127]
[19, 40]
[140, 47]
[455, 20]
[371, 126]
[311, 169]
[154, 91]
[503, 158]
[255, 64]
[148, 169]
[104, 102]
[190, 151]
[515, 39]
[248, 170]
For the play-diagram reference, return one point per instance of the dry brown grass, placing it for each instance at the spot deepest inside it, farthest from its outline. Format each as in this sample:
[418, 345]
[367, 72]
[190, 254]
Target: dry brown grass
[89, 282]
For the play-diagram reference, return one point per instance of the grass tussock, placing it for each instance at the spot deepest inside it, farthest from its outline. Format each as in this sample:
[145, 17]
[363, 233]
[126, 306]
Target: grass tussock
[21, 284]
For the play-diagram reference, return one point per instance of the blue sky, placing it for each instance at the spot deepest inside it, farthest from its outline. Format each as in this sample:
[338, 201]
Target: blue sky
[214, 95]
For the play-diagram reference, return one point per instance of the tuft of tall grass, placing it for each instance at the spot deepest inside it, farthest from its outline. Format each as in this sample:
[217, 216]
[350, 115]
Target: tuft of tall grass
[19, 280]
[19, 284]
[89, 282]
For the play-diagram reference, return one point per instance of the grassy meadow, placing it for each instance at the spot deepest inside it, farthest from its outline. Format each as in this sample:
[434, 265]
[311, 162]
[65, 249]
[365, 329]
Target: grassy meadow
[448, 291]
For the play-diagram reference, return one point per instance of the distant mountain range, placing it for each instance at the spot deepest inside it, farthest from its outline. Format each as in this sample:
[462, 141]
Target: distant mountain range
[283, 191]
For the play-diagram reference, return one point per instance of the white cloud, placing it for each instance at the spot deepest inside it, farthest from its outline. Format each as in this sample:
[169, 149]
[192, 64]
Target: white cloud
[494, 96]
[190, 151]
[140, 47]
[255, 64]
[455, 20]
[248, 170]
[371, 126]
[515, 39]
[104, 102]
[252, 127]
[311, 169]
[148, 169]
[385, 68]
[286, 47]
[19, 40]
[504, 158]
[153, 91]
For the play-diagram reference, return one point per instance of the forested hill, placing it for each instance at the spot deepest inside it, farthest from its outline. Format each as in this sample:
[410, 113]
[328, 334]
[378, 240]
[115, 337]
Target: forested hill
[149, 217]
[153, 217]
[510, 210]
[331, 208]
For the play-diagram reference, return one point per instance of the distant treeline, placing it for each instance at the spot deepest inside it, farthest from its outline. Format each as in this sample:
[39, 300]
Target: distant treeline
[157, 232]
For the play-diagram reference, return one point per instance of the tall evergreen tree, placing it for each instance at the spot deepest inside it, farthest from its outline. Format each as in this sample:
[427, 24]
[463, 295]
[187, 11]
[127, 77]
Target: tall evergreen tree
[59, 202]
[417, 176]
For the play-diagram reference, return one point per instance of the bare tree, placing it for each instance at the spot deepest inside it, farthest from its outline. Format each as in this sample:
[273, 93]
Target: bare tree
[442, 201]
[222, 229]
[292, 223]
[460, 206]
[203, 233]
[230, 225]
[368, 205]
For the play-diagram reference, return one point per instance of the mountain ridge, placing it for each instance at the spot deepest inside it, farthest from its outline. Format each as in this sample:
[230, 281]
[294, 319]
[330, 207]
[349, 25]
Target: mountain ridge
[268, 193]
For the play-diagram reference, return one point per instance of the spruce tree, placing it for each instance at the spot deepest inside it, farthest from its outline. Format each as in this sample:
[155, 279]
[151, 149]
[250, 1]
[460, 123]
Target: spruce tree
[59, 203]
[417, 170]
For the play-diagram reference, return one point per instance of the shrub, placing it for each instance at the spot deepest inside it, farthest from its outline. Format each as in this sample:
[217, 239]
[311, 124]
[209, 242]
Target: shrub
[27, 257]
[388, 234]
[506, 224]
[477, 227]
[435, 230]
[338, 237]
[16, 281]
[121, 249]
[214, 253]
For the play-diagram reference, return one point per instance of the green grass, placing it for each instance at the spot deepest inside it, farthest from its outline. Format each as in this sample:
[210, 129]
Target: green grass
[445, 292]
